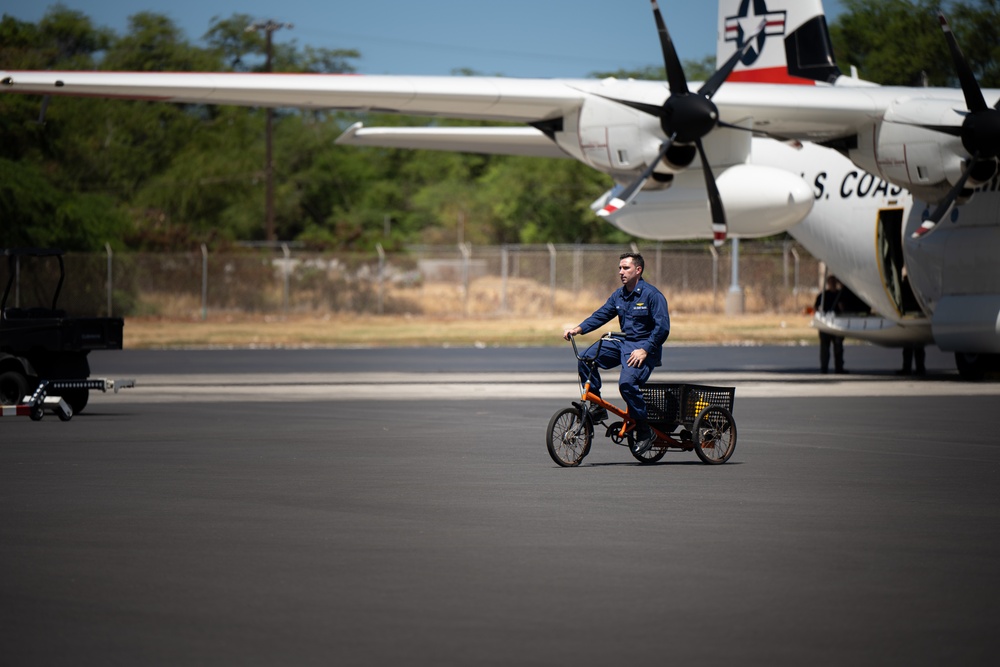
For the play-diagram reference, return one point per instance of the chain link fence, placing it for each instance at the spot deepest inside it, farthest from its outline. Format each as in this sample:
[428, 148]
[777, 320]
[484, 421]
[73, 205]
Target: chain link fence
[446, 281]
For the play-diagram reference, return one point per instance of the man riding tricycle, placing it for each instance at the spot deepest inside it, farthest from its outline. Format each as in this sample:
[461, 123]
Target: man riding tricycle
[658, 416]
[681, 417]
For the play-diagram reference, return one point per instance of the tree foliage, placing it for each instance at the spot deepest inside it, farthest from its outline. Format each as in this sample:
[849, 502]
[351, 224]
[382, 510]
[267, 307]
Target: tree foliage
[694, 70]
[899, 42]
[150, 175]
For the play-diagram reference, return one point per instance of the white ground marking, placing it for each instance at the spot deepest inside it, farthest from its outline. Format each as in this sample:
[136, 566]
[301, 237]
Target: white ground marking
[470, 386]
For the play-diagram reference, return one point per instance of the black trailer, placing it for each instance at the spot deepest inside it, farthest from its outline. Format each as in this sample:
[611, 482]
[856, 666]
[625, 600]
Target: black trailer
[42, 342]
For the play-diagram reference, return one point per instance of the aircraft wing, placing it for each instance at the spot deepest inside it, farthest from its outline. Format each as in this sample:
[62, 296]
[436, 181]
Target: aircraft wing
[526, 141]
[491, 98]
[792, 111]
[814, 113]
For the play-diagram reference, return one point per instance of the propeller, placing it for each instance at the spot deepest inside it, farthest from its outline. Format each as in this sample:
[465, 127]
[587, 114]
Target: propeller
[685, 117]
[980, 131]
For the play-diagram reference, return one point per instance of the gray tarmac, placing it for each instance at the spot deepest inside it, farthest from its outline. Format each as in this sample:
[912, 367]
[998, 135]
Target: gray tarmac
[374, 507]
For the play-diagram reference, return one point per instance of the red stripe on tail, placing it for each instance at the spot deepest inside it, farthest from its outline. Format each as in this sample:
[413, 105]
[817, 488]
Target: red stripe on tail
[769, 75]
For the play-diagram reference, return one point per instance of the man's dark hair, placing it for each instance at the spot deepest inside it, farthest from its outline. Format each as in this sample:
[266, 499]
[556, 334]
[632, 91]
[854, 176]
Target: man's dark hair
[636, 259]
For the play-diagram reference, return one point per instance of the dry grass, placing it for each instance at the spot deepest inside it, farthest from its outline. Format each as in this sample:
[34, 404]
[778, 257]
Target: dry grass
[450, 317]
[487, 297]
[404, 331]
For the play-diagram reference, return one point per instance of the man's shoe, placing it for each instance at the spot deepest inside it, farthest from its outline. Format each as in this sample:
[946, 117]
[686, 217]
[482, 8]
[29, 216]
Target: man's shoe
[644, 440]
[597, 413]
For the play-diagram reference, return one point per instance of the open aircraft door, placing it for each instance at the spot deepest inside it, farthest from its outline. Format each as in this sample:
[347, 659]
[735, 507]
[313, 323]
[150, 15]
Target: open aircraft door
[889, 242]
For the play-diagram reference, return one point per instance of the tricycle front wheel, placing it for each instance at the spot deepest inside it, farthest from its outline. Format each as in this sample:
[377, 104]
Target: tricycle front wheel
[569, 436]
[714, 435]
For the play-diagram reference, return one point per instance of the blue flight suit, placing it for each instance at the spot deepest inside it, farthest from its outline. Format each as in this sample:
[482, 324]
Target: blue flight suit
[644, 318]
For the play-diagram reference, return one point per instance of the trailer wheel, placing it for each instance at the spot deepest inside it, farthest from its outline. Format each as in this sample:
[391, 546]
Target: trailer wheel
[76, 398]
[13, 387]
[714, 435]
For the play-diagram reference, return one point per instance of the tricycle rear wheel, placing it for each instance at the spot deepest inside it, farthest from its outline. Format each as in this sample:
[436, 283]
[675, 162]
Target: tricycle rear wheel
[714, 435]
[568, 437]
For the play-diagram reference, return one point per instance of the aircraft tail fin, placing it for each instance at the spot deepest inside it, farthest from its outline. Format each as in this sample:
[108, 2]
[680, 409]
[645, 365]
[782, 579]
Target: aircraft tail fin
[794, 47]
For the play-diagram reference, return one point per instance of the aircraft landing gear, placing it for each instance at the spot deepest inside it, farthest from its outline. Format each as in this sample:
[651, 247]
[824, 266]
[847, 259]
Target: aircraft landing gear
[974, 366]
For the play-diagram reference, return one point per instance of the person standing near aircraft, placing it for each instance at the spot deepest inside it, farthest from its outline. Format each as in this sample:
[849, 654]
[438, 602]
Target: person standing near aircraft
[829, 302]
[915, 351]
[644, 319]
[911, 352]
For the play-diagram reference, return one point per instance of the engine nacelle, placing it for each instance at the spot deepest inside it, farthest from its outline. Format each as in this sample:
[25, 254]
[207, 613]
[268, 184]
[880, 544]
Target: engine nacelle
[621, 141]
[926, 162]
[759, 201]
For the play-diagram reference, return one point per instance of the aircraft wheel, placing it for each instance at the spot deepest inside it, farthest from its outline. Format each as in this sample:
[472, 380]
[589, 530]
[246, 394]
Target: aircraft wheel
[974, 367]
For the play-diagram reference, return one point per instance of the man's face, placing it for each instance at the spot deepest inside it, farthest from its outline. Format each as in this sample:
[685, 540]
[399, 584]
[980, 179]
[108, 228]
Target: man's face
[629, 272]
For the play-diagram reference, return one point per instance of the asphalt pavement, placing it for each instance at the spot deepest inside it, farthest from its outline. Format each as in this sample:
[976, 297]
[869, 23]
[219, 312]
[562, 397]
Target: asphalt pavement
[202, 518]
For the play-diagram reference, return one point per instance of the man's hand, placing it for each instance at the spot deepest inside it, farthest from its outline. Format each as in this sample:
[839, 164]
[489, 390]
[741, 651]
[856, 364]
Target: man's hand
[569, 333]
[637, 358]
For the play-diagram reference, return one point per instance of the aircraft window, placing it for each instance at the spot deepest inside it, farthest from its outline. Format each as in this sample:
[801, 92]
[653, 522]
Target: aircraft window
[623, 157]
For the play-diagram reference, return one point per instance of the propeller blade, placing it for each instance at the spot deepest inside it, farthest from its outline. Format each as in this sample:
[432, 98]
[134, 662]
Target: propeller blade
[698, 117]
[974, 99]
[795, 143]
[628, 194]
[719, 227]
[675, 72]
[980, 131]
[716, 80]
[652, 109]
[953, 130]
[928, 225]
[687, 116]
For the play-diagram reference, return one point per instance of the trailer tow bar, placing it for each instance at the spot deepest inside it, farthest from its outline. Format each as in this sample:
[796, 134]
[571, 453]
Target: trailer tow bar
[40, 402]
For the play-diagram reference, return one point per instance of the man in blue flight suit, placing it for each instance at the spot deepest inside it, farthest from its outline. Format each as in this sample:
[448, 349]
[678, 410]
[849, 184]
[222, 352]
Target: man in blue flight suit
[644, 318]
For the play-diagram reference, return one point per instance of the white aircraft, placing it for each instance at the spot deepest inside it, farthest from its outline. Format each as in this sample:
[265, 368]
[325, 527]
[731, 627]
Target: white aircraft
[776, 140]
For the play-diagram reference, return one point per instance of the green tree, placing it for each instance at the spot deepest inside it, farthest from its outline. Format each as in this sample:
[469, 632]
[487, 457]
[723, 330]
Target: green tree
[63, 39]
[35, 213]
[155, 44]
[893, 42]
[233, 43]
[694, 70]
[531, 200]
[977, 27]
[899, 42]
[42, 202]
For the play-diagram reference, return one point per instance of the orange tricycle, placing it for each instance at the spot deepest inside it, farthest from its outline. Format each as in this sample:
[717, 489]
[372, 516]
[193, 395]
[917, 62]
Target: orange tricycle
[683, 417]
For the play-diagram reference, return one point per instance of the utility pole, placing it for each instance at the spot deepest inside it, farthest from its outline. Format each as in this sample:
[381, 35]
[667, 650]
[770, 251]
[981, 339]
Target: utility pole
[269, 27]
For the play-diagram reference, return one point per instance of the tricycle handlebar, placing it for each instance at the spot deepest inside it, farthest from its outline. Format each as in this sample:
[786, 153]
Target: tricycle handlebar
[611, 335]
